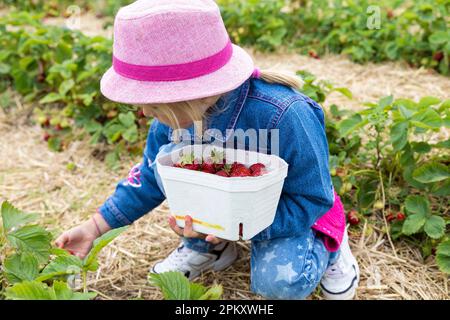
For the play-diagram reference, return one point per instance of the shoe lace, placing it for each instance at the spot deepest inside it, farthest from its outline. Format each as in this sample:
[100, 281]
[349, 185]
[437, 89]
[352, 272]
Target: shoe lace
[336, 269]
[178, 256]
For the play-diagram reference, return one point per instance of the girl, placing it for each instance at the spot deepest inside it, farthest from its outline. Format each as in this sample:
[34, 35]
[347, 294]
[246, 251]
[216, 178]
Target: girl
[175, 59]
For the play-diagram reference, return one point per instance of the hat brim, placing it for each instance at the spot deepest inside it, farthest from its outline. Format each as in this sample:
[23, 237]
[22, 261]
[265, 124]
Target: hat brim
[121, 89]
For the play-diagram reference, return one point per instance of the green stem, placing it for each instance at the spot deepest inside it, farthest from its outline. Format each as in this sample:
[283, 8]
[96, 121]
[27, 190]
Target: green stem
[84, 275]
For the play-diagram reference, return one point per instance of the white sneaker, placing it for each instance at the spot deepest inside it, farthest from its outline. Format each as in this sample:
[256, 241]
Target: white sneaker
[192, 263]
[341, 278]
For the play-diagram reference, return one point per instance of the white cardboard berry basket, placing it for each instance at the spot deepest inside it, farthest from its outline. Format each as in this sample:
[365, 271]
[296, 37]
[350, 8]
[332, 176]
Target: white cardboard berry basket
[218, 205]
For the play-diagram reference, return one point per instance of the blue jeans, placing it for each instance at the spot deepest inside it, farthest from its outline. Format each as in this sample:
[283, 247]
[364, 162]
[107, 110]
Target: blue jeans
[283, 268]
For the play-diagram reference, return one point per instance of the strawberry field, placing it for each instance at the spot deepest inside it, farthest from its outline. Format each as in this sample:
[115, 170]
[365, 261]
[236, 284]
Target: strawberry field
[384, 89]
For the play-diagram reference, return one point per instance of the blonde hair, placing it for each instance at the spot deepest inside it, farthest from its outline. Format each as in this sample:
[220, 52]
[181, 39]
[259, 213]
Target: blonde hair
[192, 108]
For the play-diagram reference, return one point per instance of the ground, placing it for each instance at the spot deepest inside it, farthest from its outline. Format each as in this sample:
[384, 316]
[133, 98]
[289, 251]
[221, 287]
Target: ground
[36, 179]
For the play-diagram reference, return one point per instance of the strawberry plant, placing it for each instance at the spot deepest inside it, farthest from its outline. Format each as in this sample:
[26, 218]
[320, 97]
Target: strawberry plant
[175, 286]
[61, 70]
[34, 270]
[389, 158]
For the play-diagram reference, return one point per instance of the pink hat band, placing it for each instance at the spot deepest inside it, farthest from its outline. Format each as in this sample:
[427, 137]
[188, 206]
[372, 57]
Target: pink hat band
[174, 72]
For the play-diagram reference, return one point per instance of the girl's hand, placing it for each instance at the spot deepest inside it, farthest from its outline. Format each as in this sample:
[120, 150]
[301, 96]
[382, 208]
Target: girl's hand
[188, 232]
[78, 240]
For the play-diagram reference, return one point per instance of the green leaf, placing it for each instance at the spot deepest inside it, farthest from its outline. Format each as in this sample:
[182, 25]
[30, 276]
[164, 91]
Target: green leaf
[61, 265]
[413, 223]
[131, 134]
[90, 262]
[428, 101]
[51, 97]
[421, 147]
[443, 256]
[13, 217]
[399, 135]
[54, 144]
[434, 227]
[417, 204]
[196, 291]
[439, 37]
[348, 125]
[34, 290]
[346, 92]
[21, 267]
[28, 290]
[431, 172]
[127, 119]
[62, 292]
[173, 285]
[385, 101]
[213, 293]
[4, 68]
[65, 86]
[441, 189]
[32, 239]
[427, 119]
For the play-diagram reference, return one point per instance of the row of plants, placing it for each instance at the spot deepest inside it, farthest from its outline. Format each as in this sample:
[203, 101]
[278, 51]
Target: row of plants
[32, 269]
[389, 160]
[61, 70]
[364, 30]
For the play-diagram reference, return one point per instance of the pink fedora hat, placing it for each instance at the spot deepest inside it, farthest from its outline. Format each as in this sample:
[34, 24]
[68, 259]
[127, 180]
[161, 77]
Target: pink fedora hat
[172, 50]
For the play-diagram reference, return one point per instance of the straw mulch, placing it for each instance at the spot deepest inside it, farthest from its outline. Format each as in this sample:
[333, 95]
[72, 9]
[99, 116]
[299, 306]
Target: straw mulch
[38, 180]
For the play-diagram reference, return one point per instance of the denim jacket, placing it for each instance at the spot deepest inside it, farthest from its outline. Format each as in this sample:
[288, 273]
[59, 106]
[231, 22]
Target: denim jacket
[307, 191]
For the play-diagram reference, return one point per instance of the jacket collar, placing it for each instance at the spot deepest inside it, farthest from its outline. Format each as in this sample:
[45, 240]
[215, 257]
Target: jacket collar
[224, 120]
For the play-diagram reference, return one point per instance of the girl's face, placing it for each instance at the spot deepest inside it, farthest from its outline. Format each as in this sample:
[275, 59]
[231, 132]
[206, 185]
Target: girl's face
[180, 111]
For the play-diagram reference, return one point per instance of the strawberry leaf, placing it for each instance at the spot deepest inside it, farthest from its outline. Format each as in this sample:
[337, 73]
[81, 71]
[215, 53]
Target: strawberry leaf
[34, 290]
[13, 217]
[21, 267]
[443, 256]
[32, 239]
[434, 227]
[174, 285]
[90, 262]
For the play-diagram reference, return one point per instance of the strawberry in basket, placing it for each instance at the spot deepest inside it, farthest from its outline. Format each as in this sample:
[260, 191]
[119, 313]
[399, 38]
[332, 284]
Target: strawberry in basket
[216, 164]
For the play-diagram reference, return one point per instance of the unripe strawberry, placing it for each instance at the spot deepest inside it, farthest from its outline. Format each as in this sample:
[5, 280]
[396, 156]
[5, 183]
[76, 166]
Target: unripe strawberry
[333, 172]
[353, 217]
[347, 186]
[378, 205]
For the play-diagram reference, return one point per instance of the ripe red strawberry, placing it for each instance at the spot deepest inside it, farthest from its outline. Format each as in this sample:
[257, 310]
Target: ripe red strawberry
[390, 217]
[313, 54]
[189, 162]
[400, 216]
[352, 217]
[46, 136]
[192, 166]
[390, 14]
[208, 167]
[240, 171]
[258, 169]
[222, 173]
[438, 56]
[236, 165]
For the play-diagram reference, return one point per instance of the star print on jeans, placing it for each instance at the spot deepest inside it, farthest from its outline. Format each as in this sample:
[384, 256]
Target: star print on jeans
[269, 256]
[285, 273]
